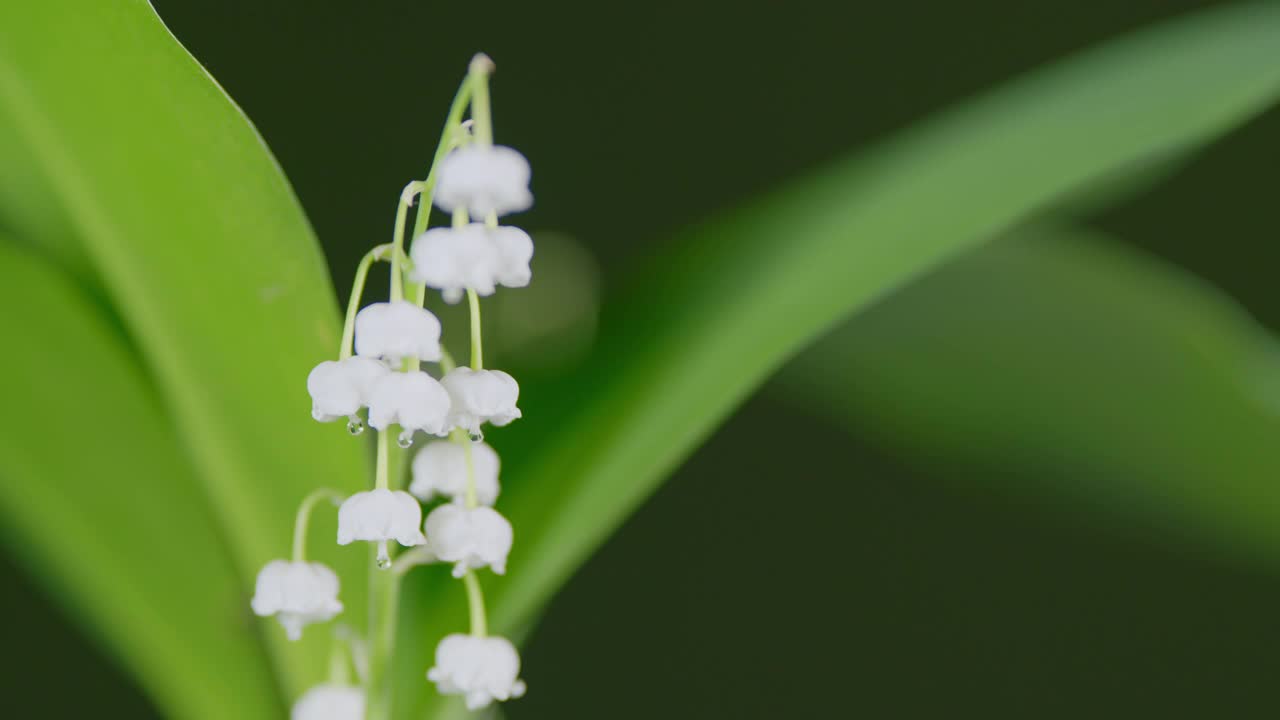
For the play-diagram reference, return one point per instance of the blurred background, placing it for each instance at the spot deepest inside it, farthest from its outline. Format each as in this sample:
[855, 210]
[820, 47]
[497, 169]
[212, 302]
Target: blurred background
[844, 546]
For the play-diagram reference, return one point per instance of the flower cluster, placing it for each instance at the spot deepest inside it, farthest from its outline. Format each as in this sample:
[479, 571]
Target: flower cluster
[380, 370]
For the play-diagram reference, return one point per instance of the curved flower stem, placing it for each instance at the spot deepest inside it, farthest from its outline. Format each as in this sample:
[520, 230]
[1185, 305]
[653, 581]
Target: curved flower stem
[303, 518]
[478, 73]
[397, 239]
[355, 653]
[339, 663]
[449, 138]
[357, 292]
[411, 559]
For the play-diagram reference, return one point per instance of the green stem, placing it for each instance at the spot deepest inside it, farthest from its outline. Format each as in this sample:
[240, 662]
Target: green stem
[471, 473]
[412, 558]
[448, 140]
[357, 292]
[381, 472]
[384, 591]
[447, 363]
[397, 241]
[475, 596]
[477, 348]
[475, 601]
[303, 518]
[481, 67]
[383, 605]
[339, 664]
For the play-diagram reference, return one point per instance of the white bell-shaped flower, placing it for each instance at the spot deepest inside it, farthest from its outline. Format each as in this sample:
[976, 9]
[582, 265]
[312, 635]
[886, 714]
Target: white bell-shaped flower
[481, 669]
[330, 702]
[380, 515]
[297, 593]
[339, 388]
[413, 400]
[469, 537]
[483, 180]
[514, 250]
[473, 257]
[455, 259]
[481, 396]
[397, 330]
[440, 468]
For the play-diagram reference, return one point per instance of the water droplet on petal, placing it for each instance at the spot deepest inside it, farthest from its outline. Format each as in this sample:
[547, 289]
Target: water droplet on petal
[405, 440]
[355, 426]
[476, 436]
[384, 558]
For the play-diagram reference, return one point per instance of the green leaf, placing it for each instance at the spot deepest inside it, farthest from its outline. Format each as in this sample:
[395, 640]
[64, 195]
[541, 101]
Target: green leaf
[1074, 366]
[740, 295]
[156, 189]
[177, 213]
[97, 487]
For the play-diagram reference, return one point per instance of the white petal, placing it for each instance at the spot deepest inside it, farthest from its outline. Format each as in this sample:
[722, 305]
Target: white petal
[440, 468]
[483, 180]
[330, 702]
[456, 259]
[414, 400]
[378, 515]
[514, 250]
[480, 396]
[340, 388]
[297, 593]
[470, 538]
[397, 330]
[481, 669]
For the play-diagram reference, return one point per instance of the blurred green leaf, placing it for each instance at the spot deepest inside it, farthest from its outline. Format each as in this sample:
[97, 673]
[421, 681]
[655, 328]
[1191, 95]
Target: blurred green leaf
[179, 215]
[177, 211]
[739, 295]
[1075, 365]
[96, 485]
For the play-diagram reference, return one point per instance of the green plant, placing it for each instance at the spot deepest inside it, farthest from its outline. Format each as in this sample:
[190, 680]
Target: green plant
[161, 241]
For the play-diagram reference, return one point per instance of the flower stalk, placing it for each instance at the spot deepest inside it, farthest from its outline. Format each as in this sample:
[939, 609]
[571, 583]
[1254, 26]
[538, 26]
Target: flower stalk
[379, 367]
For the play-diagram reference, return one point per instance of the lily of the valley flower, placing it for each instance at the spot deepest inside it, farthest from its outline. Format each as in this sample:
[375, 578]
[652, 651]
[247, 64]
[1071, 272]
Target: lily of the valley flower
[380, 515]
[413, 400]
[469, 538]
[440, 468]
[339, 388]
[397, 330]
[297, 593]
[453, 260]
[482, 669]
[483, 180]
[514, 249]
[330, 702]
[473, 257]
[481, 396]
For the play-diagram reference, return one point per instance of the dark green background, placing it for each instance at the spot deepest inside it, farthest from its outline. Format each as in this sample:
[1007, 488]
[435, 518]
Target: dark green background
[782, 573]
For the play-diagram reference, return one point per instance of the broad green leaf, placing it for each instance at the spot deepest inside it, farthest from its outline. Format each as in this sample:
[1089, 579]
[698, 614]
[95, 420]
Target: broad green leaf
[94, 482]
[1076, 366]
[741, 294]
[177, 211]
